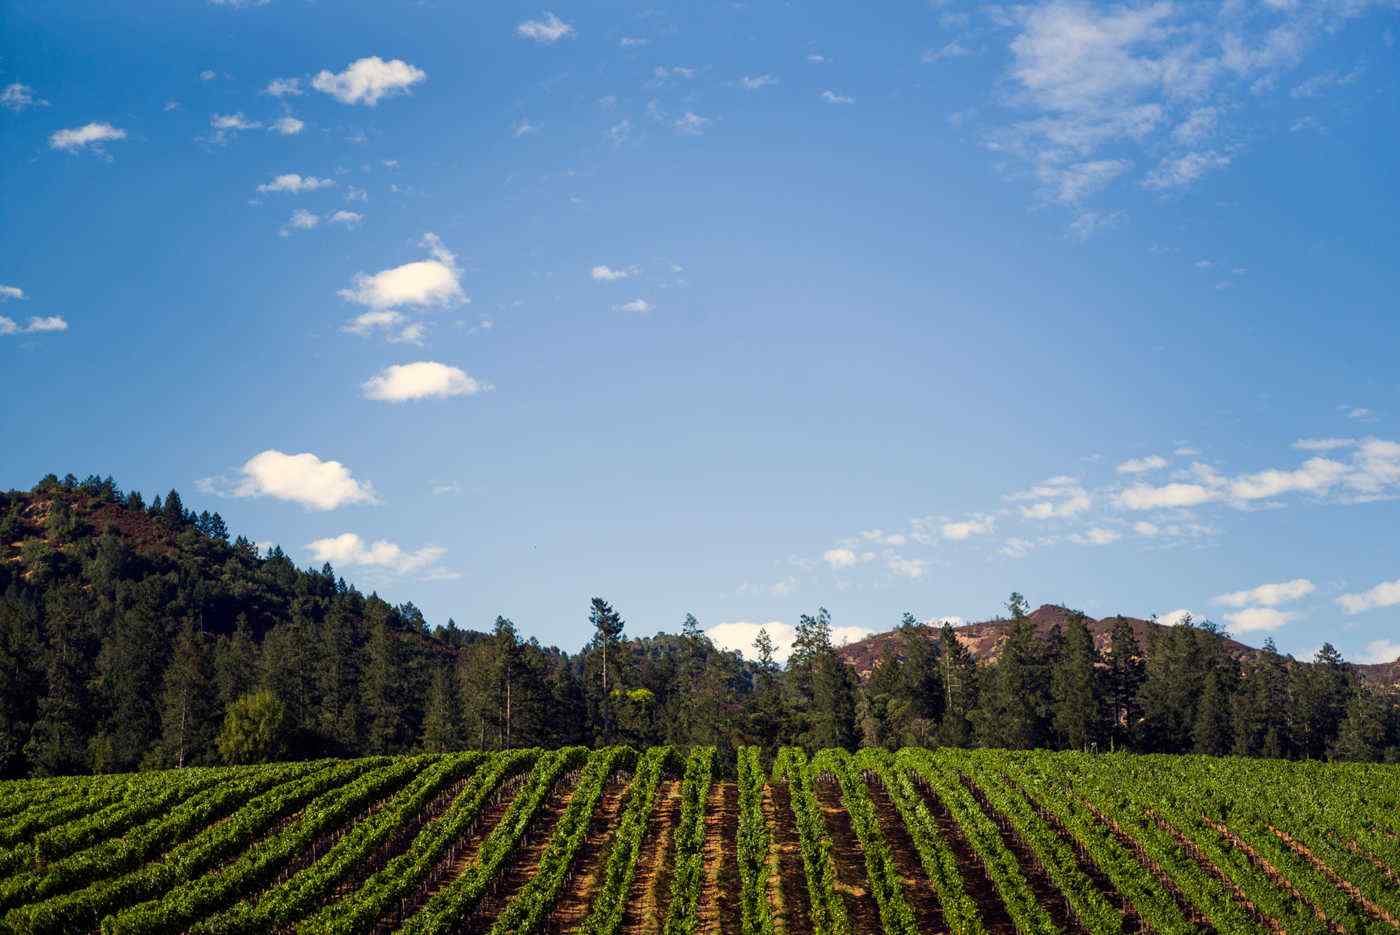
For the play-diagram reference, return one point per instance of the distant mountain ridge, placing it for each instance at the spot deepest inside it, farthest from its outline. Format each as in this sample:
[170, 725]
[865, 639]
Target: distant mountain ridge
[986, 638]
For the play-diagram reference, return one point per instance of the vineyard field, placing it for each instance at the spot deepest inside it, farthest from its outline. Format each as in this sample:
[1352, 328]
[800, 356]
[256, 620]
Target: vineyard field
[665, 841]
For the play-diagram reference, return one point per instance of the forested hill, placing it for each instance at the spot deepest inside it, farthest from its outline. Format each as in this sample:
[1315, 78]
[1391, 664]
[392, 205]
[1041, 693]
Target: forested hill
[985, 640]
[138, 634]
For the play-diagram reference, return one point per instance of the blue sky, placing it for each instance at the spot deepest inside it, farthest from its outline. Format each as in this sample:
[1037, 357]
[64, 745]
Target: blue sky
[737, 310]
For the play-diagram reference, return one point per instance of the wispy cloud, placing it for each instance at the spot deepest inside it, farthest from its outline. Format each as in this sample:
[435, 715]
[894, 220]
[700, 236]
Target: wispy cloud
[546, 31]
[89, 136]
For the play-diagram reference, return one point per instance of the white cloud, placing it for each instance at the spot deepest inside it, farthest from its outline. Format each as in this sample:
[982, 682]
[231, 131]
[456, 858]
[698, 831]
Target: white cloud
[301, 220]
[287, 125]
[846, 558]
[1317, 475]
[1142, 465]
[1071, 184]
[691, 124]
[1088, 223]
[369, 80]
[1055, 498]
[1385, 594]
[636, 306]
[373, 321]
[951, 50]
[1381, 651]
[816, 58]
[546, 31]
[1198, 125]
[232, 122]
[283, 87]
[912, 568]
[350, 550]
[611, 274]
[739, 636]
[1268, 595]
[1359, 413]
[347, 218]
[523, 127]
[295, 184]
[1323, 444]
[1096, 536]
[1185, 170]
[1017, 547]
[1168, 496]
[661, 72]
[8, 293]
[965, 529]
[424, 379]
[1174, 617]
[45, 324]
[89, 135]
[16, 97]
[633, 42]
[1255, 619]
[1144, 528]
[300, 478]
[831, 97]
[422, 283]
[755, 82]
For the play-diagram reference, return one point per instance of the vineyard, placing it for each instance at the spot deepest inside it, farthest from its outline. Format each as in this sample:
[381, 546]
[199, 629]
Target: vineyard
[666, 841]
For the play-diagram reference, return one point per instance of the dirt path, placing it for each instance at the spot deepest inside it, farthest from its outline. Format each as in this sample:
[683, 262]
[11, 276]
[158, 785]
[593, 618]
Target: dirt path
[401, 838]
[651, 886]
[918, 891]
[577, 896]
[979, 886]
[719, 909]
[459, 856]
[846, 853]
[524, 858]
[1045, 890]
[788, 882]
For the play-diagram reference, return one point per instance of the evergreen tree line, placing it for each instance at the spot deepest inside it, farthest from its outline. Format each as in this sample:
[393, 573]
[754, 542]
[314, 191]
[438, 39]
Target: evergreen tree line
[138, 635]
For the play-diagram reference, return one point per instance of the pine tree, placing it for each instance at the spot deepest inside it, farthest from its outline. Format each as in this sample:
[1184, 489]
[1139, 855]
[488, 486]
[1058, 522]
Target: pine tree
[58, 744]
[236, 663]
[767, 712]
[129, 669]
[821, 685]
[382, 692]
[1172, 689]
[607, 630]
[1321, 694]
[1261, 707]
[440, 733]
[920, 692]
[1213, 732]
[1013, 705]
[1126, 672]
[960, 693]
[335, 671]
[1075, 693]
[188, 711]
[1371, 729]
[505, 646]
[22, 656]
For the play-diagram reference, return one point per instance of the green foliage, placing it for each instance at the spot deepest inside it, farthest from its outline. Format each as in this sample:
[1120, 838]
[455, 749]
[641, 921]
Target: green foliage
[253, 728]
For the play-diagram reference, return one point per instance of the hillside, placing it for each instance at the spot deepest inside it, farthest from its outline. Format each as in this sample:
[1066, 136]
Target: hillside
[985, 639]
[141, 635]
